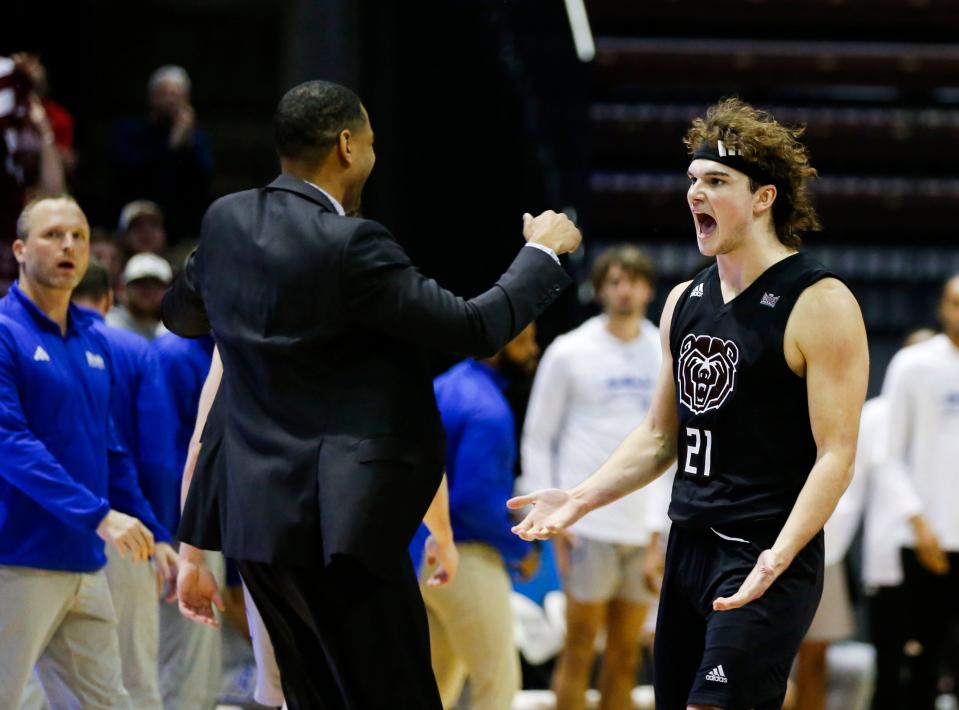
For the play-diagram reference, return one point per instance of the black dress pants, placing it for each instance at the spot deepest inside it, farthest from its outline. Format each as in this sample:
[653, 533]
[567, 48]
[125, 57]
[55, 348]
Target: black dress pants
[888, 625]
[346, 639]
[932, 604]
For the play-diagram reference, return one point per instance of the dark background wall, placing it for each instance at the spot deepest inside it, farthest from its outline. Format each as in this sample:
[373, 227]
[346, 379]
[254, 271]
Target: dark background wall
[482, 112]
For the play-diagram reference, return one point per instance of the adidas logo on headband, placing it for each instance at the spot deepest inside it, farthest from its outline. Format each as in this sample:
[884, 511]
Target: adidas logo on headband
[724, 151]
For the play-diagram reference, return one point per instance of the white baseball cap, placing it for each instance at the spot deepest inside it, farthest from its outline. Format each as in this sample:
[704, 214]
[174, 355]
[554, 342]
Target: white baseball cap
[147, 266]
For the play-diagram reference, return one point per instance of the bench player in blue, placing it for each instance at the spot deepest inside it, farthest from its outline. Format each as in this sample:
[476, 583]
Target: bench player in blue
[764, 374]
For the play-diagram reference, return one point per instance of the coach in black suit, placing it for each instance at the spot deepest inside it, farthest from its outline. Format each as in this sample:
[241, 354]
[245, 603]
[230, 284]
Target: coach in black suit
[324, 447]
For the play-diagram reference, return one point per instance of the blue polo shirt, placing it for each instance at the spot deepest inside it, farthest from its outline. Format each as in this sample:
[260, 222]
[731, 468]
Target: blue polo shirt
[184, 364]
[480, 458]
[143, 417]
[61, 464]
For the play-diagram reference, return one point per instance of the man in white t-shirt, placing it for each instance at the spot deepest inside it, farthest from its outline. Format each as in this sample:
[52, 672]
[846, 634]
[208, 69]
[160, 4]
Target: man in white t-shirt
[922, 390]
[593, 387]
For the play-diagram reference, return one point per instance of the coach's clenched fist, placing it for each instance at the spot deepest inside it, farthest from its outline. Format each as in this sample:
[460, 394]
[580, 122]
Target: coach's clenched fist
[552, 230]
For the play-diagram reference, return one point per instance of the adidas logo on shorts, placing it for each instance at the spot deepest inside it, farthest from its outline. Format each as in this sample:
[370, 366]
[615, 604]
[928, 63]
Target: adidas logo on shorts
[717, 675]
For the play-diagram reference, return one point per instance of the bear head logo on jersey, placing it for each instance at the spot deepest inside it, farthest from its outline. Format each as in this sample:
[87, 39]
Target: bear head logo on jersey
[707, 371]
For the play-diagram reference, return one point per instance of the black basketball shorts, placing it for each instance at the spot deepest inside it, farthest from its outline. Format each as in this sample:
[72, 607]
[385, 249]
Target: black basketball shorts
[738, 659]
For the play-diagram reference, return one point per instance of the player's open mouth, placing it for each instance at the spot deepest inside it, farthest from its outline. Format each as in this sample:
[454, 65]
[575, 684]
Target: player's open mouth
[706, 224]
[66, 265]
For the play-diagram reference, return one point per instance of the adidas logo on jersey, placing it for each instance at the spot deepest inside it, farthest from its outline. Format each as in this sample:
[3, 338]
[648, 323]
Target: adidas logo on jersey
[40, 355]
[769, 299]
[96, 361]
[697, 292]
[717, 675]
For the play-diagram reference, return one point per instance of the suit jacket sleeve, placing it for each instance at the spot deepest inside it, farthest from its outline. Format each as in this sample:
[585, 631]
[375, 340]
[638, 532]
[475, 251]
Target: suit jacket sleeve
[183, 311]
[384, 291]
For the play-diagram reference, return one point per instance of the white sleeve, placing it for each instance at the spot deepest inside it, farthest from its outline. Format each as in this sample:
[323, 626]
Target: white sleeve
[545, 414]
[892, 464]
[844, 521]
[657, 502]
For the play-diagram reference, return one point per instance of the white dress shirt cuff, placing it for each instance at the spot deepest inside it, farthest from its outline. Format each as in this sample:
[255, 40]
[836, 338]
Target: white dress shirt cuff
[543, 248]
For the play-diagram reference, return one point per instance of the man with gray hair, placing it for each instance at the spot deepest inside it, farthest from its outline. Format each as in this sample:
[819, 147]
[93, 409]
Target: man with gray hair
[163, 156]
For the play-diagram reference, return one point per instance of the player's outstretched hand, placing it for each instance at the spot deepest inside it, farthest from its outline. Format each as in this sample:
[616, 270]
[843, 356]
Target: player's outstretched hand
[768, 568]
[553, 510]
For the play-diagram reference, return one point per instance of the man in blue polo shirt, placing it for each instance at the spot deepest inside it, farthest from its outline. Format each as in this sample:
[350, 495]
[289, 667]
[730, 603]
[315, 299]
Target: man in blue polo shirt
[470, 620]
[191, 655]
[144, 425]
[66, 486]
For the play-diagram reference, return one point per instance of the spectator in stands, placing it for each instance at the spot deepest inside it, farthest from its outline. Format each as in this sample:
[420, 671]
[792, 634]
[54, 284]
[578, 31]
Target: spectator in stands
[593, 387]
[105, 249]
[922, 443]
[68, 485]
[470, 620]
[141, 228]
[190, 654]
[59, 118]
[29, 162]
[144, 427]
[145, 279]
[164, 156]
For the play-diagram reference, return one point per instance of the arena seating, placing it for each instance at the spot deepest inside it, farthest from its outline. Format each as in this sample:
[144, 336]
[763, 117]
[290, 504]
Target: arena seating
[881, 113]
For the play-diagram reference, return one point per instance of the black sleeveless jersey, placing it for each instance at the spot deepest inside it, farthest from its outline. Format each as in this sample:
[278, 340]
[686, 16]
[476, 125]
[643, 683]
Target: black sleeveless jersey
[745, 445]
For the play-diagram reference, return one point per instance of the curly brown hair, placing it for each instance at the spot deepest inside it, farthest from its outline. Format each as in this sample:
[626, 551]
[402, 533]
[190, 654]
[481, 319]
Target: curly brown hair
[773, 147]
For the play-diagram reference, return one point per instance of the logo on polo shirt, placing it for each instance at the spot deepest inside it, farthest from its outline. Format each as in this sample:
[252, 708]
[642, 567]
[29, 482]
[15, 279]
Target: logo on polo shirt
[96, 361]
[717, 675]
[40, 355]
[697, 292]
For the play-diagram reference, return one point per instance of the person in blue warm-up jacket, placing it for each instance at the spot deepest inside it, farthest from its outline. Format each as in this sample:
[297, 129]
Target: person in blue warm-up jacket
[66, 484]
[145, 427]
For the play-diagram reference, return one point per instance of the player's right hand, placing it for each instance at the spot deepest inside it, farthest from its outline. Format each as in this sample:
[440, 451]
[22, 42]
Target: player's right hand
[552, 230]
[928, 550]
[127, 534]
[554, 510]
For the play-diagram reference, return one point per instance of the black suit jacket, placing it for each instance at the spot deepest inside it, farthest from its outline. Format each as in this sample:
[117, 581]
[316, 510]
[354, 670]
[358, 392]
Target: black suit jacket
[325, 438]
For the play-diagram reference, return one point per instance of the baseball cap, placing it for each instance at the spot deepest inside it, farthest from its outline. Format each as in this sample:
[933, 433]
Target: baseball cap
[136, 209]
[147, 266]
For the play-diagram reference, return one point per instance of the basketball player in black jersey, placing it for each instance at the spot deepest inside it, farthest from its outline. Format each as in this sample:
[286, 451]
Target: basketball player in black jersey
[764, 375]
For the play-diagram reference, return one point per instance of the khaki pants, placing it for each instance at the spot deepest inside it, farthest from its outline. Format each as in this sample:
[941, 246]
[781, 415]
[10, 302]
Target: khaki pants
[133, 587]
[191, 661]
[64, 624]
[471, 631]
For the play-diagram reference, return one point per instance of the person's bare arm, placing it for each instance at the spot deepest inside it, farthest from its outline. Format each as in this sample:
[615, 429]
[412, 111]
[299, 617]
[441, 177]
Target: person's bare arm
[197, 588]
[827, 330]
[440, 547]
[641, 457]
[207, 395]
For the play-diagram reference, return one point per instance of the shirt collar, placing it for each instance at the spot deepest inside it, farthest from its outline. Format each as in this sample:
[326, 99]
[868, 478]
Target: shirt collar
[498, 378]
[336, 203]
[74, 314]
[91, 313]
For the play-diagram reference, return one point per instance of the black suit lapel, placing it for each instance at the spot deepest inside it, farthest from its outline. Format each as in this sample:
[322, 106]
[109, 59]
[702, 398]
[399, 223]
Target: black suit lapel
[289, 183]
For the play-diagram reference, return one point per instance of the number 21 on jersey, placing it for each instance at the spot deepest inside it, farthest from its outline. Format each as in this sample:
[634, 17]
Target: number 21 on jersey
[695, 440]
